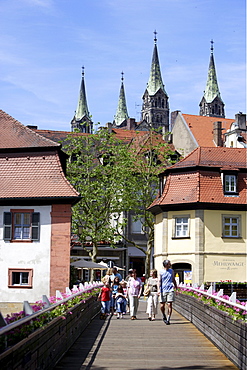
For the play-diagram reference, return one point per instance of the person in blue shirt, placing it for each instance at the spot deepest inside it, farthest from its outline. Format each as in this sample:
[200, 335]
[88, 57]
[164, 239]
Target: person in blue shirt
[167, 283]
[115, 273]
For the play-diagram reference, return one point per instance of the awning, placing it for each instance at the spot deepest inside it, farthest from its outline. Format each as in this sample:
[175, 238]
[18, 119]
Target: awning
[89, 265]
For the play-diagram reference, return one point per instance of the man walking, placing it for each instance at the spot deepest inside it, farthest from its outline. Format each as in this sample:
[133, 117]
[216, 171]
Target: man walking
[167, 283]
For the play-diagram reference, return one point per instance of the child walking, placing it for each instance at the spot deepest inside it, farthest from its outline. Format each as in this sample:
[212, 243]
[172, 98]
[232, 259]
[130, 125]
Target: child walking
[120, 302]
[105, 298]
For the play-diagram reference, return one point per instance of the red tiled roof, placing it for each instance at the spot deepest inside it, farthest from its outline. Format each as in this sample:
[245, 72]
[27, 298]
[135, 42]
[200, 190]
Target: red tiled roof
[33, 175]
[127, 135]
[58, 136]
[197, 178]
[121, 134]
[214, 157]
[16, 135]
[202, 128]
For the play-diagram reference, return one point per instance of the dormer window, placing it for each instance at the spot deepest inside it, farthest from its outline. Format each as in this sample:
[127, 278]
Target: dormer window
[230, 183]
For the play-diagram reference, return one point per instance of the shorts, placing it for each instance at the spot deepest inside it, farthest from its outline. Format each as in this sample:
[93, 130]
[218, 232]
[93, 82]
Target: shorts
[167, 297]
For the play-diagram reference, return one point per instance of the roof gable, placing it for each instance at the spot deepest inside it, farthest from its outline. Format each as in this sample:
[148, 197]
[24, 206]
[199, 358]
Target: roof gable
[30, 175]
[202, 128]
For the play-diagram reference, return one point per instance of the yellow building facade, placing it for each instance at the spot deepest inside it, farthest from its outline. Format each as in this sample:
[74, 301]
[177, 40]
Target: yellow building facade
[211, 256]
[200, 216]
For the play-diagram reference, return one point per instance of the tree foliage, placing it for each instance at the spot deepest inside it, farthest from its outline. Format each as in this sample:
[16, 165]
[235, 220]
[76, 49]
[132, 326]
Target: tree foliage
[94, 170]
[150, 155]
[113, 178]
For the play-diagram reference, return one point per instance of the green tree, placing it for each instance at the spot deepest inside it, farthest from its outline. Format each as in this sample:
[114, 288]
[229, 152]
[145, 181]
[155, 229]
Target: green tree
[97, 168]
[114, 178]
[150, 155]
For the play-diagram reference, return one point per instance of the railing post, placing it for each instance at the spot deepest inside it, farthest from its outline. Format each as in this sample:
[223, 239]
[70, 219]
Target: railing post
[2, 321]
[58, 295]
[46, 301]
[233, 297]
[27, 308]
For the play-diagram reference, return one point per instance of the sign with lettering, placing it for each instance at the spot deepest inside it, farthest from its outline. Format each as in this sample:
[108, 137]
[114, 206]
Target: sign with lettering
[225, 268]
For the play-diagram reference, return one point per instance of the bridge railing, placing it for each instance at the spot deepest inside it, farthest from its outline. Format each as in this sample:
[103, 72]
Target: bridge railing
[224, 323]
[231, 301]
[47, 306]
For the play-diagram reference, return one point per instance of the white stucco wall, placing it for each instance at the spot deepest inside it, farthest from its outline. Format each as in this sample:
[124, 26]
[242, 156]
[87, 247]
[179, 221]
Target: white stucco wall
[35, 255]
[182, 138]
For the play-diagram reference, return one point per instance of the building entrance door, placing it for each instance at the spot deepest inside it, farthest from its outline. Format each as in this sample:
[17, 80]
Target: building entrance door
[183, 271]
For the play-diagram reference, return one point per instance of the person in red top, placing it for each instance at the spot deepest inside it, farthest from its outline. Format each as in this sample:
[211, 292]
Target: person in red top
[105, 298]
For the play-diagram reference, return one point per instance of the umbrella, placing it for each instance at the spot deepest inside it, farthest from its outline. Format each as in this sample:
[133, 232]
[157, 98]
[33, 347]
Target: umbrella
[87, 265]
[105, 264]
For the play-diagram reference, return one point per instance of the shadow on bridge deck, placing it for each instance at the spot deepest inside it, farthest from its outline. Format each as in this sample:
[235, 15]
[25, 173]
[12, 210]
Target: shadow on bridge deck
[141, 344]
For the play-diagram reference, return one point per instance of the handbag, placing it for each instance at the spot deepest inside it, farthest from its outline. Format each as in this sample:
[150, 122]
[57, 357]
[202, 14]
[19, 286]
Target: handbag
[146, 291]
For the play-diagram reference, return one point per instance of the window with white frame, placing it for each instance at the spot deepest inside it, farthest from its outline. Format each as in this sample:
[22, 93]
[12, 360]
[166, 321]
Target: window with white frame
[230, 184]
[181, 229]
[231, 226]
[20, 278]
[21, 225]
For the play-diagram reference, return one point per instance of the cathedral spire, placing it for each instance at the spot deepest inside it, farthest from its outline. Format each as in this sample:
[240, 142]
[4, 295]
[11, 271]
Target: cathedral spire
[155, 79]
[122, 112]
[155, 107]
[211, 103]
[82, 120]
[82, 109]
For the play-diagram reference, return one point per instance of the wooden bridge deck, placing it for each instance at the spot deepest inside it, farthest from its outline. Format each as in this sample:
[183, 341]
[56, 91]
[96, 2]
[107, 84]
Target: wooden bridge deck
[124, 344]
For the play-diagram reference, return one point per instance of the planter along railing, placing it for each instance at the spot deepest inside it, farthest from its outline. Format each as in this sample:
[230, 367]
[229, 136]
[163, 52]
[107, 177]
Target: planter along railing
[39, 340]
[220, 318]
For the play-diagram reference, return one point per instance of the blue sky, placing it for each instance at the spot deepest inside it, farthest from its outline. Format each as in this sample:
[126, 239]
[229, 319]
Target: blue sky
[44, 44]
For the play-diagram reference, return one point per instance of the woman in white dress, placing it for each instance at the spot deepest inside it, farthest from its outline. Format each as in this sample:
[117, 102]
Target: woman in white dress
[152, 301]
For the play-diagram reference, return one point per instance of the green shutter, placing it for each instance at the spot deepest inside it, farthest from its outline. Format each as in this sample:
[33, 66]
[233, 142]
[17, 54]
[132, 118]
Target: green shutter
[35, 225]
[7, 220]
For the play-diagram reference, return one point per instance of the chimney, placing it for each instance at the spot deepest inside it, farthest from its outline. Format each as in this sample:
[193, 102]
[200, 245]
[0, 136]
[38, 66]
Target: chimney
[131, 123]
[32, 127]
[173, 117]
[217, 132]
[240, 120]
[109, 127]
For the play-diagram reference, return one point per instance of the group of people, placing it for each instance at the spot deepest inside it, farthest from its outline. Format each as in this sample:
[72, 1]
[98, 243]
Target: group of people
[118, 294]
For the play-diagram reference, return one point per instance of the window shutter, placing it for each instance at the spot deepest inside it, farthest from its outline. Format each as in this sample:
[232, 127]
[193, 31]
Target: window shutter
[7, 220]
[35, 225]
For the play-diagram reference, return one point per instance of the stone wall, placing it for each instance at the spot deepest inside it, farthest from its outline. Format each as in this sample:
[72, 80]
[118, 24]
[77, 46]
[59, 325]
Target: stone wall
[46, 346]
[228, 335]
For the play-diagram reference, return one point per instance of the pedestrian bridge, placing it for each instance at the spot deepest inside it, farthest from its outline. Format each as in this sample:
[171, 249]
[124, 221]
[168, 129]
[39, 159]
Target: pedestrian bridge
[123, 344]
[68, 334]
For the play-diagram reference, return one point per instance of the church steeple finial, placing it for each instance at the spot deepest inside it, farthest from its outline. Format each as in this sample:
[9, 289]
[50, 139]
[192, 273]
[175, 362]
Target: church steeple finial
[122, 112]
[212, 46]
[211, 103]
[155, 38]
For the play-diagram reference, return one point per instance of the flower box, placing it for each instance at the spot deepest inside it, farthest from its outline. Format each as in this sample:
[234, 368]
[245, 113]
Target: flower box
[45, 347]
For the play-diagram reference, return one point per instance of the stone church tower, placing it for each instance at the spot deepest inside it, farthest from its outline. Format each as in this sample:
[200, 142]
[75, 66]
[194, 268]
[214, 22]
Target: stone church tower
[155, 107]
[211, 104]
[81, 119]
